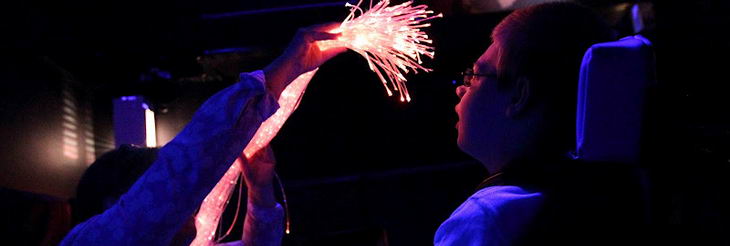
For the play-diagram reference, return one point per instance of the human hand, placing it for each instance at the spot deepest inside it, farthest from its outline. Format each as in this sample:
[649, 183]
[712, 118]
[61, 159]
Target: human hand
[258, 173]
[302, 55]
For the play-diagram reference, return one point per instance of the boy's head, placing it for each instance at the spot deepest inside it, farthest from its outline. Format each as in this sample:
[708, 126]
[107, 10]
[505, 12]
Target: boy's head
[520, 99]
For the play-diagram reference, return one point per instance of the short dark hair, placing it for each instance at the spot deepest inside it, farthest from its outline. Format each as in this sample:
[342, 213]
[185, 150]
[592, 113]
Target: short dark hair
[545, 43]
[110, 176]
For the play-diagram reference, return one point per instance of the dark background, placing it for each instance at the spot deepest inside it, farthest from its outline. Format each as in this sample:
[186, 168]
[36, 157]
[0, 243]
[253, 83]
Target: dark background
[356, 163]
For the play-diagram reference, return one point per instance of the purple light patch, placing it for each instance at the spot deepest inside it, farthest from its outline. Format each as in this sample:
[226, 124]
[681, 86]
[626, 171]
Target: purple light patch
[129, 98]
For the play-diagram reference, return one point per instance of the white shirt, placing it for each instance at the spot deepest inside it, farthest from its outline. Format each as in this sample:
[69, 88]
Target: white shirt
[496, 215]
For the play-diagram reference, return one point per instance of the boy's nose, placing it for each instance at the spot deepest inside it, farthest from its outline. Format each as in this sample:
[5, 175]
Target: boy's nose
[460, 91]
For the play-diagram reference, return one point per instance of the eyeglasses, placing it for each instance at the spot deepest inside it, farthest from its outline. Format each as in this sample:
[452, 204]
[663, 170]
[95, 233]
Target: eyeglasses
[468, 75]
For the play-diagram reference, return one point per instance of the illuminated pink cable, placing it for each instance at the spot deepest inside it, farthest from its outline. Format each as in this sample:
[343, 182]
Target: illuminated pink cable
[388, 37]
[206, 222]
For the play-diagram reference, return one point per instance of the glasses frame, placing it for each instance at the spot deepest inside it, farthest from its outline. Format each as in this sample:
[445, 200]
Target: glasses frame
[468, 75]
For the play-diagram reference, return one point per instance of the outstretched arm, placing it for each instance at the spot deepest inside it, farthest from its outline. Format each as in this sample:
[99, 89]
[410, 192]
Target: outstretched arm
[188, 167]
[170, 191]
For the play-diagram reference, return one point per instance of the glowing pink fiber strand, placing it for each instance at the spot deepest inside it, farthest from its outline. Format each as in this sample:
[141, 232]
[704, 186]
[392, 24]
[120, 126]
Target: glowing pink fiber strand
[206, 222]
[389, 37]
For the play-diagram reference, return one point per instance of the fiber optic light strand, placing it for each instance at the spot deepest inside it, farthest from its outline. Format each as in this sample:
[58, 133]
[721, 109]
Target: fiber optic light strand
[388, 37]
[206, 221]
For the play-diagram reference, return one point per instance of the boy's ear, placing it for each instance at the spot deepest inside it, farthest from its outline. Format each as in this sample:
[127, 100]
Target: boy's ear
[521, 97]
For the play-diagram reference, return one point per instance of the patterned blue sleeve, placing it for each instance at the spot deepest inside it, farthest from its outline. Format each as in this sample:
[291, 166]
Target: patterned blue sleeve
[187, 168]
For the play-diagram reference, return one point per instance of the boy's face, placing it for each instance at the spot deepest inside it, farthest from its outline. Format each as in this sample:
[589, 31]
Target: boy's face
[481, 106]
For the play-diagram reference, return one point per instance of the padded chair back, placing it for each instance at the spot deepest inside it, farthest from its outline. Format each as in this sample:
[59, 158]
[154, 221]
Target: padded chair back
[614, 79]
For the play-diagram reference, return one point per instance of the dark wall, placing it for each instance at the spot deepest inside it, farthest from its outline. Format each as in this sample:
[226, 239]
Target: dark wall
[692, 125]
